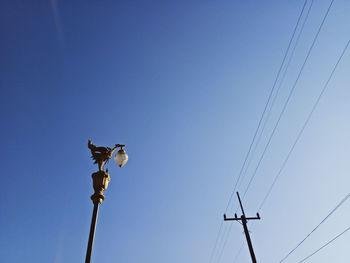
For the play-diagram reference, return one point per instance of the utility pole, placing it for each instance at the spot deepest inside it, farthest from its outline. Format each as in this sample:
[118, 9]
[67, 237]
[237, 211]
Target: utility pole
[244, 220]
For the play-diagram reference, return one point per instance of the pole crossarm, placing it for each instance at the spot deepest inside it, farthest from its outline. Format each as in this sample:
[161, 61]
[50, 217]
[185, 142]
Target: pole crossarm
[240, 218]
[244, 220]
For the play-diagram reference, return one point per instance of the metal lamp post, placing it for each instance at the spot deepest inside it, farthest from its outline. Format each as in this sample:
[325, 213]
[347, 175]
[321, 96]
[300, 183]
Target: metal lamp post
[100, 180]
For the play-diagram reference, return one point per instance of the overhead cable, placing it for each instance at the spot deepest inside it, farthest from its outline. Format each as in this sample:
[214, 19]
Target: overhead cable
[278, 88]
[266, 104]
[257, 129]
[289, 97]
[304, 125]
[329, 242]
[319, 224]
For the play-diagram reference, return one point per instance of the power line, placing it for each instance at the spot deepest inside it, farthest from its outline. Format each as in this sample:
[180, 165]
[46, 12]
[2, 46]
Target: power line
[315, 105]
[227, 235]
[279, 87]
[313, 230]
[294, 144]
[268, 101]
[304, 125]
[257, 129]
[330, 241]
[238, 253]
[286, 103]
[216, 241]
[274, 99]
[289, 96]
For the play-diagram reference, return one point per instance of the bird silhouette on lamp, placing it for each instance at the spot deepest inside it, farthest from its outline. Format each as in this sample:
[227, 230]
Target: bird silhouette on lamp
[101, 155]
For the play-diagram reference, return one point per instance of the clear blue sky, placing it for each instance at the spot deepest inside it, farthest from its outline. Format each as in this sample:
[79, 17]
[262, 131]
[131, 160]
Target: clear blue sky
[182, 84]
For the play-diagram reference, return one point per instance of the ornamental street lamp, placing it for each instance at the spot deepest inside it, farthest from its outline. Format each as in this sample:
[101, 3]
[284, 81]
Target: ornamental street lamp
[100, 181]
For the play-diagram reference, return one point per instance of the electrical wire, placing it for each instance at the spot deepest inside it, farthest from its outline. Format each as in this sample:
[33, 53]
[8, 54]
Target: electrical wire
[216, 241]
[329, 242]
[226, 235]
[267, 102]
[258, 127]
[238, 253]
[304, 125]
[278, 89]
[287, 101]
[294, 144]
[319, 224]
[289, 97]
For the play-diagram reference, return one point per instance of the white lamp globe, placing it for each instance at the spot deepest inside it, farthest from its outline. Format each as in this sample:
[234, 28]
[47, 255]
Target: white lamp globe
[121, 157]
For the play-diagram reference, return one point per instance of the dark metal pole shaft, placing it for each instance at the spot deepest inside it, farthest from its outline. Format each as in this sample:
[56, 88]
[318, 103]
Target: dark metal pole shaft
[92, 233]
[244, 221]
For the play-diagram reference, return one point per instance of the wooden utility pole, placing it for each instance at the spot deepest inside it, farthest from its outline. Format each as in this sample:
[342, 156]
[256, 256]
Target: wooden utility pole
[244, 220]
